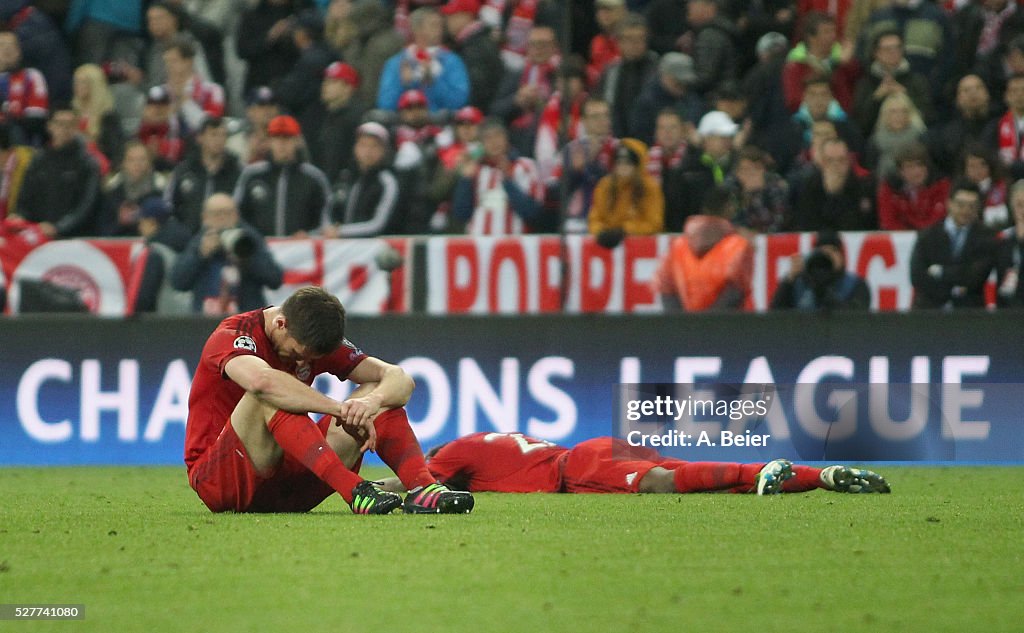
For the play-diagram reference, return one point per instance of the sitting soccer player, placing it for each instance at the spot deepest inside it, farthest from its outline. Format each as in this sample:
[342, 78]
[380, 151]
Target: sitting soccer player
[513, 462]
[249, 444]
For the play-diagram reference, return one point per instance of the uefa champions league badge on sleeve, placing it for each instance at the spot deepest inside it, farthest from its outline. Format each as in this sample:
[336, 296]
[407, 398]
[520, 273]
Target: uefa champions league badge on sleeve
[245, 342]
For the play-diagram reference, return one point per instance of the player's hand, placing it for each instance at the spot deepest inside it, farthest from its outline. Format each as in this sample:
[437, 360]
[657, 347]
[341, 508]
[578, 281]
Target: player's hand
[356, 416]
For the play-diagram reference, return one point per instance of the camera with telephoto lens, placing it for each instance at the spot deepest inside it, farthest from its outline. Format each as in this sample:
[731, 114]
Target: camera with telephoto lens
[238, 243]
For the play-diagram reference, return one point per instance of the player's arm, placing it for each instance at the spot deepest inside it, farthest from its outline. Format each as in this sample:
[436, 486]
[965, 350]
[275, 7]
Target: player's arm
[392, 389]
[277, 388]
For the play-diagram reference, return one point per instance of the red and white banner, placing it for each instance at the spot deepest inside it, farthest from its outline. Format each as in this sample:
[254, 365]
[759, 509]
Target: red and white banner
[348, 269]
[464, 275]
[524, 274]
[105, 273]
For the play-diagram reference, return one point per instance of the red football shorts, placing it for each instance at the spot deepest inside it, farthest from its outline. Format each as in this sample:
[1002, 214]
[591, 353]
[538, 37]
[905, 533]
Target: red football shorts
[593, 466]
[226, 480]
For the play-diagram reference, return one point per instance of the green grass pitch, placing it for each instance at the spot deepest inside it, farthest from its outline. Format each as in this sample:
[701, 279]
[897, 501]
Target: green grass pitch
[135, 545]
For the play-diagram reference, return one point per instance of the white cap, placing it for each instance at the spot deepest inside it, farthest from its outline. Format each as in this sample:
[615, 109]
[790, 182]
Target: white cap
[717, 123]
[376, 130]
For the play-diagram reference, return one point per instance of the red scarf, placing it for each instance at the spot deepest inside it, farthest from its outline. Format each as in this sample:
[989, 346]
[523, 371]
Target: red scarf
[541, 76]
[409, 134]
[1010, 148]
[517, 29]
[658, 160]
[549, 136]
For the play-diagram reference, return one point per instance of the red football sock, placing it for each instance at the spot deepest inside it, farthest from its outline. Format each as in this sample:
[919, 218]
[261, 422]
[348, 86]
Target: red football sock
[299, 438]
[399, 449]
[804, 478]
[709, 476]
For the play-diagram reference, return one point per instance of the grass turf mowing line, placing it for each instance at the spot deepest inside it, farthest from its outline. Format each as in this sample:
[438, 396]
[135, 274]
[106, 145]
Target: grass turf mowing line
[136, 546]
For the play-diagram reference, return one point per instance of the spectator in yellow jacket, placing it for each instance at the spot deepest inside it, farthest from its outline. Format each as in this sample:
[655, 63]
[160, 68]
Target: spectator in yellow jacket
[627, 201]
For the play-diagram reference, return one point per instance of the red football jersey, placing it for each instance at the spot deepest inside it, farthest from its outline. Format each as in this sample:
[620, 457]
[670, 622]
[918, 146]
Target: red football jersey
[214, 396]
[500, 462]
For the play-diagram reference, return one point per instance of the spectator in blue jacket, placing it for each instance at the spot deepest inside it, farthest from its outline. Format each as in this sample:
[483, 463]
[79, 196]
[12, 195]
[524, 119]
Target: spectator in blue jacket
[427, 66]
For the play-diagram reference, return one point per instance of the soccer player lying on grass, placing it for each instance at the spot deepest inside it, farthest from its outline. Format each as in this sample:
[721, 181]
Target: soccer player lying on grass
[513, 462]
[249, 443]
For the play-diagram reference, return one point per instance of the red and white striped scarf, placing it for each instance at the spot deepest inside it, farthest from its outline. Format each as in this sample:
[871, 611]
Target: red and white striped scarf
[658, 160]
[993, 23]
[492, 212]
[516, 31]
[549, 136]
[1010, 147]
[419, 135]
[541, 76]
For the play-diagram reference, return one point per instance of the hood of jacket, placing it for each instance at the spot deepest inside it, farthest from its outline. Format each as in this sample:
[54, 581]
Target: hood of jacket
[638, 147]
[704, 231]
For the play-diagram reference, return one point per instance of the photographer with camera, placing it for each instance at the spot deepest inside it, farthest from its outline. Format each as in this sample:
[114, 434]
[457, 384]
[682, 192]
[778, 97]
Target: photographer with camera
[227, 264]
[820, 281]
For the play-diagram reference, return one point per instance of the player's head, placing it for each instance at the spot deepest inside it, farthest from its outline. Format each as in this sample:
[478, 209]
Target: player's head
[315, 319]
[433, 451]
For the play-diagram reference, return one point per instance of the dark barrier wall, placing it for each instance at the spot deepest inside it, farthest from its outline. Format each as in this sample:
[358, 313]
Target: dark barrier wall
[91, 391]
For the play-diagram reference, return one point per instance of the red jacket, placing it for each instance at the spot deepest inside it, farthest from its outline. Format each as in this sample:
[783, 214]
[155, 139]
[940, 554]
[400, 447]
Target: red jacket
[899, 211]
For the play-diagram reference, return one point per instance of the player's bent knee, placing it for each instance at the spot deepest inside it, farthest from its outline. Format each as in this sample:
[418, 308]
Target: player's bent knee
[658, 480]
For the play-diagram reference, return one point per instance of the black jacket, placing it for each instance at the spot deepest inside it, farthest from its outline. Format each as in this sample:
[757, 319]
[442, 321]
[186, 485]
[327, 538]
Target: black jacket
[190, 185]
[621, 83]
[61, 186]
[283, 199]
[946, 141]
[968, 271]
[330, 135]
[850, 209]
[267, 61]
[483, 62]
[367, 204]
[1010, 256]
[715, 58]
[299, 88]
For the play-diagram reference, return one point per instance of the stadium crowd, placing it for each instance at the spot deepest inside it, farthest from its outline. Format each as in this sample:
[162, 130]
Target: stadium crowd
[716, 119]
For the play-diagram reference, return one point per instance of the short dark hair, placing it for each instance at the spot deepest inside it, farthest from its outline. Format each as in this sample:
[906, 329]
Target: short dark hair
[729, 90]
[210, 122]
[633, 21]
[315, 318]
[913, 153]
[671, 111]
[1014, 77]
[886, 32]
[962, 184]
[183, 45]
[813, 21]
[976, 149]
[716, 202]
[434, 450]
[755, 154]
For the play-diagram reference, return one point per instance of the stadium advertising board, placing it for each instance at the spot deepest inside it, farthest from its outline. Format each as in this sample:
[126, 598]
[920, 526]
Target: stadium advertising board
[468, 275]
[85, 391]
